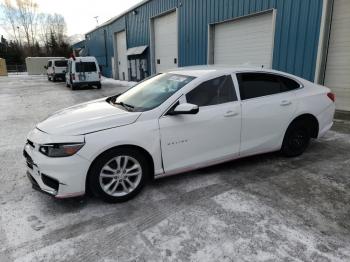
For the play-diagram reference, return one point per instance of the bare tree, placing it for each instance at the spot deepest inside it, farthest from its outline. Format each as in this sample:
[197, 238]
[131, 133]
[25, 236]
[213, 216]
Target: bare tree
[51, 24]
[10, 18]
[58, 27]
[37, 30]
[44, 28]
[27, 12]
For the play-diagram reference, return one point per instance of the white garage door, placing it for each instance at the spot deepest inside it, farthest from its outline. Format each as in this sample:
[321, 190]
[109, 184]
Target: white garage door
[165, 42]
[121, 56]
[245, 41]
[338, 63]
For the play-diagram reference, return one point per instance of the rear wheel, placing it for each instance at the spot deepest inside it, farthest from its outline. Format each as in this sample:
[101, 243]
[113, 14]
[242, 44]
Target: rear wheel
[297, 139]
[118, 175]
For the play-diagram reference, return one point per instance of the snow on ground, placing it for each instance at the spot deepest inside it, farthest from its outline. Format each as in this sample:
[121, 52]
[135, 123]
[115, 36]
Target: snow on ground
[112, 81]
[19, 74]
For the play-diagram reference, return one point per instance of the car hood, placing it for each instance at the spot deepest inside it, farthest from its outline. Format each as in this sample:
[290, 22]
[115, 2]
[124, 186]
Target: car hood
[87, 118]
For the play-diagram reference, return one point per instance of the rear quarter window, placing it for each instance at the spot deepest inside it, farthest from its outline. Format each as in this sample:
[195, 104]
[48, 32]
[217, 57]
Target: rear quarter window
[289, 84]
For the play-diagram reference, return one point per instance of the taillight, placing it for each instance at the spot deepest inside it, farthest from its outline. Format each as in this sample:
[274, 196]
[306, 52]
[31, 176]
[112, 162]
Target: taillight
[331, 96]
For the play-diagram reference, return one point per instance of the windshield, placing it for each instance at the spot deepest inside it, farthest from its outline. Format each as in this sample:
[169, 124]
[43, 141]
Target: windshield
[153, 92]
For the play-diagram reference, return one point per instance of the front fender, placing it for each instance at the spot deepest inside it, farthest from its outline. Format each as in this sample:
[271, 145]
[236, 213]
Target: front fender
[144, 134]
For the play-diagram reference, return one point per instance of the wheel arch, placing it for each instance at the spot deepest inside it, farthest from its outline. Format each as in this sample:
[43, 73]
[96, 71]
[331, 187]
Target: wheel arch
[126, 146]
[311, 120]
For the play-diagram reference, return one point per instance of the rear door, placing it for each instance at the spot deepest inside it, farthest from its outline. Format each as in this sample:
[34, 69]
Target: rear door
[212, 135]
[87, 71]
[268, 106]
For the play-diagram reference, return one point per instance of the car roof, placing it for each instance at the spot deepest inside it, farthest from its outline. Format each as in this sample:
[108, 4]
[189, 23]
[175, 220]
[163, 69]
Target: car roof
[206, 70]
[84, 59]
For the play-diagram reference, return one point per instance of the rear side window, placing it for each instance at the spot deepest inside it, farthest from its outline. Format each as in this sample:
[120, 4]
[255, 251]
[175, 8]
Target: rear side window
[289, 84]
[252, 85]
[215, 91]
[61, 63]
[85, 67]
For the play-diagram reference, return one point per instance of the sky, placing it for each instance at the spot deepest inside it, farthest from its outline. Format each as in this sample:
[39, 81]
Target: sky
[79, 14]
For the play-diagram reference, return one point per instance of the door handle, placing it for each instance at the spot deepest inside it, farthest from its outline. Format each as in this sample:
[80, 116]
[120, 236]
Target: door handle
[231, 114]
[286, 103]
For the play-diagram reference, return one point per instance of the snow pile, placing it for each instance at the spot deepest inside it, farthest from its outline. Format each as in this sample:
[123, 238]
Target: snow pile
[111, 81]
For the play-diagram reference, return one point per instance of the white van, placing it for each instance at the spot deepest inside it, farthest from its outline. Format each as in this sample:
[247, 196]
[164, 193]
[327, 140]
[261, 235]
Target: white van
[83, 71]
[56, 69]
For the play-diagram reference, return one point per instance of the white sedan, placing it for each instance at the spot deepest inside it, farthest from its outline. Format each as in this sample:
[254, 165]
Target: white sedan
[171, 123]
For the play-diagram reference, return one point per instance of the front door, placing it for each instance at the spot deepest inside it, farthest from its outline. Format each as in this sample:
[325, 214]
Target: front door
[209, 137]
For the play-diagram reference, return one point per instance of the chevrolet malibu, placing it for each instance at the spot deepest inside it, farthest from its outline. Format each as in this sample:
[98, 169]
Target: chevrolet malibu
[172, 123]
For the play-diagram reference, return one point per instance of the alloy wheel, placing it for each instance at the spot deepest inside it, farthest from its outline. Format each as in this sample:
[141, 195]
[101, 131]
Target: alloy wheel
[299, 139]
[120, 176]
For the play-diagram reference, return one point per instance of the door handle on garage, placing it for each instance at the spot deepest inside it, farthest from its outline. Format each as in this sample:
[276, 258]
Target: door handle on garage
[286, 103]
[231, 114]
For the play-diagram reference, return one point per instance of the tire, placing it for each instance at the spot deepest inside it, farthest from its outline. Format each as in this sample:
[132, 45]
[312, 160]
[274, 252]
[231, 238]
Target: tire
[114, 182]
[74, 87]
[67, 85]
[296, 139]
[48, 78]
[99, 86]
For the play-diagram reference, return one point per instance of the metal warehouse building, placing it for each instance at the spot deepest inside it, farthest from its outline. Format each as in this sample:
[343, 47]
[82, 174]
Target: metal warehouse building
[308, 38]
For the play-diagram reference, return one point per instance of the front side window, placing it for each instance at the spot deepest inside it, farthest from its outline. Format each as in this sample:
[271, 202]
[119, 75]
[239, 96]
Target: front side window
[49, 64]
[81, 67]
[152, 92]
[215, 91]
[253, 85]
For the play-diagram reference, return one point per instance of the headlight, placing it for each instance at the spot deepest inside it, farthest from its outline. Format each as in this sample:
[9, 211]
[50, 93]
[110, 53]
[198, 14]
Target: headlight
[60, 150]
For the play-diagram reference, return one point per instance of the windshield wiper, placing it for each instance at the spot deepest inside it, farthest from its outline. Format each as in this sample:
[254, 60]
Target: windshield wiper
[126, 106]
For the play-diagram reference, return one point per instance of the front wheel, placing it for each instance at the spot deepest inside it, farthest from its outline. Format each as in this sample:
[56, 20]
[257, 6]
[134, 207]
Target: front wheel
[296, 140]
[118, 175]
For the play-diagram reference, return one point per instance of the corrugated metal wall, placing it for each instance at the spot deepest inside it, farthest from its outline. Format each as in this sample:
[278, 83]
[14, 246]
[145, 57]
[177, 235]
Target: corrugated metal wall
[296, 36]
[99, 43]
[80, 44]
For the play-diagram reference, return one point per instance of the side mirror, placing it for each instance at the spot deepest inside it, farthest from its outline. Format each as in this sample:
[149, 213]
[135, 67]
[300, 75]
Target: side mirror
[185, 109]
[45, 67]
